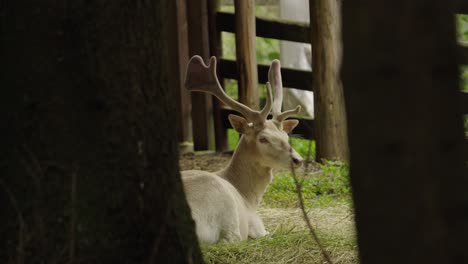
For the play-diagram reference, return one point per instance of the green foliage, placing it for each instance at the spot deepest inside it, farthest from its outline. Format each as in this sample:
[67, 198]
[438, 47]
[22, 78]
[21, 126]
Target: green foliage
[305, 147]
[337, 173]
[318, 189]
[233, 139]
[462, 27]
[267, 50]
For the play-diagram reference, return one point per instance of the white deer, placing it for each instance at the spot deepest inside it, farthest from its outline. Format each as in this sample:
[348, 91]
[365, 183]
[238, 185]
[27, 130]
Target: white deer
[224, 203]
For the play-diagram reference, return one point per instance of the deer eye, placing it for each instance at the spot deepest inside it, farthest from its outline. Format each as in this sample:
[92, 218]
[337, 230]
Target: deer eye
[263, 140]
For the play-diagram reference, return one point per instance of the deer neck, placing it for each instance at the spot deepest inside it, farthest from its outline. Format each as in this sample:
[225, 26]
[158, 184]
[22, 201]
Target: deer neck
[247, 175]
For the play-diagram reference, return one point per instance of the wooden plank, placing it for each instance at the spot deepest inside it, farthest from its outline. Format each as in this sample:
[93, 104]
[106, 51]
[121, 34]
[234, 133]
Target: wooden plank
[202, 107]
[464, 101]
[462, 7]
[305, 128]
[266, 28]
[246, 55]
[292, 78]
[178, 50]
[221, 140]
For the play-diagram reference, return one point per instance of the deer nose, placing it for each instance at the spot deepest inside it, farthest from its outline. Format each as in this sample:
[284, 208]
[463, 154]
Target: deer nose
[297, 161]
[295, 158]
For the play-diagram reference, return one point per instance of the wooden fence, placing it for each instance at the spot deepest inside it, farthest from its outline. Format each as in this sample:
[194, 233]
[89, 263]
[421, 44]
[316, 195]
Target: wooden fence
[229, 69]
[200, 25]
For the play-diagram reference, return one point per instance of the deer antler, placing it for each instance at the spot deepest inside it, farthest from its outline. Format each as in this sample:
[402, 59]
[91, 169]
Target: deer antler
[202, 78]
[274, 76]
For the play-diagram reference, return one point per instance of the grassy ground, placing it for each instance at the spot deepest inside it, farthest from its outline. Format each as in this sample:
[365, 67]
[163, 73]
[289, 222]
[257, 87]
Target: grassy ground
[327, 198]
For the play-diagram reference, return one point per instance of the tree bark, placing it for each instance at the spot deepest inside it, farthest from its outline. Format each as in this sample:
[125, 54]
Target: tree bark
[89, 162]
[330, 114]
[408, 174]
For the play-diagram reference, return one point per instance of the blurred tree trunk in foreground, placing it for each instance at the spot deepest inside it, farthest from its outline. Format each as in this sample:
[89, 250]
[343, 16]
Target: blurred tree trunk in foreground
[405, 131]
[89, 163]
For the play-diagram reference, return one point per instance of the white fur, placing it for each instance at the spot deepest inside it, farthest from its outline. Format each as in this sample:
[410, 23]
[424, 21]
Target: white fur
[224, 203]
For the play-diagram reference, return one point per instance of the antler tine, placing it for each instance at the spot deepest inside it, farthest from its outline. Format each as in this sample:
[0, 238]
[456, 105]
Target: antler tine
[282, 116]
[268, 104]
[274, 76]
[202, 78]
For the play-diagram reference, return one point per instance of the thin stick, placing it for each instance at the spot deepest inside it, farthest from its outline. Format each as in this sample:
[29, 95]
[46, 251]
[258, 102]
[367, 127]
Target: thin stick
[325, 254]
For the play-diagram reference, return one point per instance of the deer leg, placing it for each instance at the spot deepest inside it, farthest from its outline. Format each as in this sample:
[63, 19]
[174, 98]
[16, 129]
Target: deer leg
[256, 227]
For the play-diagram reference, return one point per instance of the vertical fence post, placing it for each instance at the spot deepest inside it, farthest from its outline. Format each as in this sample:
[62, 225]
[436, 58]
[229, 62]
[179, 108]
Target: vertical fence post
[216, 49]
[246, 53]
[202, 107]
[330, 114]
[178, 49]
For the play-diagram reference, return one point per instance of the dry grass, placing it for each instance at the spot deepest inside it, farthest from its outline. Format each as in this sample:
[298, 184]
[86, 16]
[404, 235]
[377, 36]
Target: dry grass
[289, 240]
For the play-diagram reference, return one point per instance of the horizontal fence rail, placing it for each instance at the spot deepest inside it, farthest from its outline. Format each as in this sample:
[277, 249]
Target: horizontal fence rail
[276, 29]
[292, 78]
[462, 7]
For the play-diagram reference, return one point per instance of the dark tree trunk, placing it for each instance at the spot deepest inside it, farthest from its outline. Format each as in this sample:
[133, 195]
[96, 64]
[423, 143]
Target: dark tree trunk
[330, 114]
[89, 163]
[405, 131]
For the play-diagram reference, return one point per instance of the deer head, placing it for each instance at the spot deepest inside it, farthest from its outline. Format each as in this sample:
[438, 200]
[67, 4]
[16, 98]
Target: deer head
[264, 139]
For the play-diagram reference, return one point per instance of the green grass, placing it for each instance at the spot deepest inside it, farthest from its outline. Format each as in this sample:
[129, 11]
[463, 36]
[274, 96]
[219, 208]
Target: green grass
[305, 147]
[326, 188]
[327, 198]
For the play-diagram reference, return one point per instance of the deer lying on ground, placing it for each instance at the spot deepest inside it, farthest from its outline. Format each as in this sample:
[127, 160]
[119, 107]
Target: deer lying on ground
[224, 203]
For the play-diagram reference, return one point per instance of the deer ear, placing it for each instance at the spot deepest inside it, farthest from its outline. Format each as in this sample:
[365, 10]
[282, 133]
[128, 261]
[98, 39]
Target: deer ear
[289, 125]
[239, 123]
